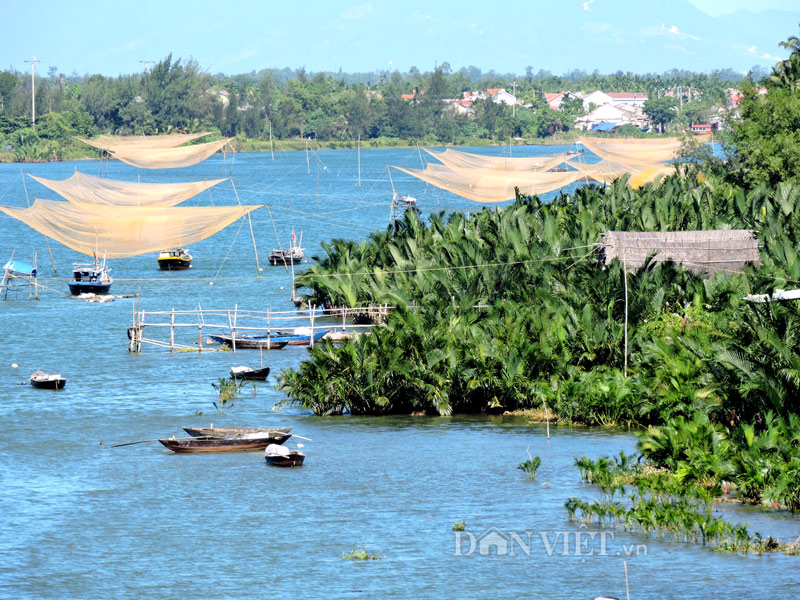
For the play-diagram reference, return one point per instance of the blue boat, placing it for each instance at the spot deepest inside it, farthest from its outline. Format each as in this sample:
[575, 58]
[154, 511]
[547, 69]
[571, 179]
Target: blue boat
[270, 341]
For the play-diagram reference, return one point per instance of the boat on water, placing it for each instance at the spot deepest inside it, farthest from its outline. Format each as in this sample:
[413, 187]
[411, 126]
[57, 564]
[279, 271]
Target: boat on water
[47, 381]
[288, 256]
[403, 200]
[92, 278]
[272, 342]
[176, 259]
[249, 373]
[249, 343]
[250, 442]
[222, 432]
[280, 456]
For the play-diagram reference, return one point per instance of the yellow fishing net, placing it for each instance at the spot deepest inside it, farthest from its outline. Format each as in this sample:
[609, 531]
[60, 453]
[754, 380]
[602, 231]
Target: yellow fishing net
[487, 185]
[606, 172]
[466, 160]
[87, 189]
[121, 231]
[112, 143]
[634, 151]
[168, 158]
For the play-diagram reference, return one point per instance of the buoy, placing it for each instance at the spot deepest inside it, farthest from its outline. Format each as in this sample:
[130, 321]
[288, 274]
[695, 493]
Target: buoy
[210, 283]
[260, 269]
[281, 287]
[14, 366]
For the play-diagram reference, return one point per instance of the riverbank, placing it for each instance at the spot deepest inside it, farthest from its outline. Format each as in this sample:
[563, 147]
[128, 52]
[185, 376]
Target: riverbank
[82, 152]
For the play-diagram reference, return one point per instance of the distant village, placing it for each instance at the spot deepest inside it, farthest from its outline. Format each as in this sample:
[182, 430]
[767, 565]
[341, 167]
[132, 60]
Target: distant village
[602, 111]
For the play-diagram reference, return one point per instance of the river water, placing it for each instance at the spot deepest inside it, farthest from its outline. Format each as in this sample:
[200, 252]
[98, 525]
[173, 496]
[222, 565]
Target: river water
[83, 520]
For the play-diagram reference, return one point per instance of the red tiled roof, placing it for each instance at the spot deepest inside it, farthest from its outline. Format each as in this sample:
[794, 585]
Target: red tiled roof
[627, 95]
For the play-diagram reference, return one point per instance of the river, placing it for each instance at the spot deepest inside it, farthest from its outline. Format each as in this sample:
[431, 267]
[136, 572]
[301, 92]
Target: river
[83, 520]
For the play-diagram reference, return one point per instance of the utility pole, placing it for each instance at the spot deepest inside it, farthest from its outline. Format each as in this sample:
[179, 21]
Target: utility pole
[146, 62]
[33, 90]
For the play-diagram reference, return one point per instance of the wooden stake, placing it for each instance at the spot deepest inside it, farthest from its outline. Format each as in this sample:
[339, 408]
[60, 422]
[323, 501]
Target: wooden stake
[627, 590]
[172, 329]
[625, 275]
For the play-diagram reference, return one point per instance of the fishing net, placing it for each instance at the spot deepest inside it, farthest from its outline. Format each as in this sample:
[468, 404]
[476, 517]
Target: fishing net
[122, 231]
[112, 143]
[606, 172]
[466, 160]
[490, 185]
[634, 151]
[168, 158]
[87, 189]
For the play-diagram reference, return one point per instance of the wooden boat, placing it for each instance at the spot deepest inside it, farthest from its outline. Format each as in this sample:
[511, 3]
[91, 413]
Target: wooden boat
[222, 432]
[250, 342]
[272, 342]
[250, 374]
[280, 456]
[90, 279]
[246, 443]
[47, 381]
[177, 259]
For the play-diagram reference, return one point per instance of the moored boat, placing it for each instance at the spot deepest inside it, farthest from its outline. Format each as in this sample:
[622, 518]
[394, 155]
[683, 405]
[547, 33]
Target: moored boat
[90, 279]
[288, 256]
[280, 456]
[47, 381]
[222, 432]
[246, 443]
[176, 259]
[250, 342]
[244, 372]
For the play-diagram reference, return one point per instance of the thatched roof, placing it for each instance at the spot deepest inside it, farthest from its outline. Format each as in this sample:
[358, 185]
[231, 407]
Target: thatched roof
[698, 251]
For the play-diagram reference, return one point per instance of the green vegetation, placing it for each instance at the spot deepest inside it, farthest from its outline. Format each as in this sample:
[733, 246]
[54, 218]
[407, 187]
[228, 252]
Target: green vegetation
[530, 466]
[459, 526]
[361, 553]
[662, 505]
[227, 389]
[509, 310]
[286, 108]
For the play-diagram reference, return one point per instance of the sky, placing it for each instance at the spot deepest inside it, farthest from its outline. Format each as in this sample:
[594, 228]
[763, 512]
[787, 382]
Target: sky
[641, 36]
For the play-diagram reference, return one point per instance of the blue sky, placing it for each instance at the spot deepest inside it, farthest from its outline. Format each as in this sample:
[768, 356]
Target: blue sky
[642, 36]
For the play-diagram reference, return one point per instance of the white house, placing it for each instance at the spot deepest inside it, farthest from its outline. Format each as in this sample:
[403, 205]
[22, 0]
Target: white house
[612, 113]
[629, 100]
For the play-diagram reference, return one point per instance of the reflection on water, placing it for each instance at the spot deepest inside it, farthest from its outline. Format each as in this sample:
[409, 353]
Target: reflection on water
[81, 519]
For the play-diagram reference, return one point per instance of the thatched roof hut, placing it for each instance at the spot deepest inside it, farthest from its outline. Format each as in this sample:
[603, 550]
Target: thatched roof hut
[698, 251]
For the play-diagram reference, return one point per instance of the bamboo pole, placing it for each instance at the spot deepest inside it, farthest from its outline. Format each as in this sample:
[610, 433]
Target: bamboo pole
[625, 275]
[250, 223]
[311, 321]
[172, 329]
[230, 331]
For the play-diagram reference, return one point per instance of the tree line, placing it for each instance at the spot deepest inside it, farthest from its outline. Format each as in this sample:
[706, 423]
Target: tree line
[328, 107]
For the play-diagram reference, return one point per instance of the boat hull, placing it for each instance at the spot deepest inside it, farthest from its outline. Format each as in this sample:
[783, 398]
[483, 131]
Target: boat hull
[56, 383]
[174, 264]
[76, 288]
[276, 260]
[251, 374]
[193, 445]
[250, 343]
[222, 432]
[295, 459]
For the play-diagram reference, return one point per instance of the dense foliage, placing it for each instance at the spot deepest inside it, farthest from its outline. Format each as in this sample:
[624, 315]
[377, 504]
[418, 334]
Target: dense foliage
[509, 309]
